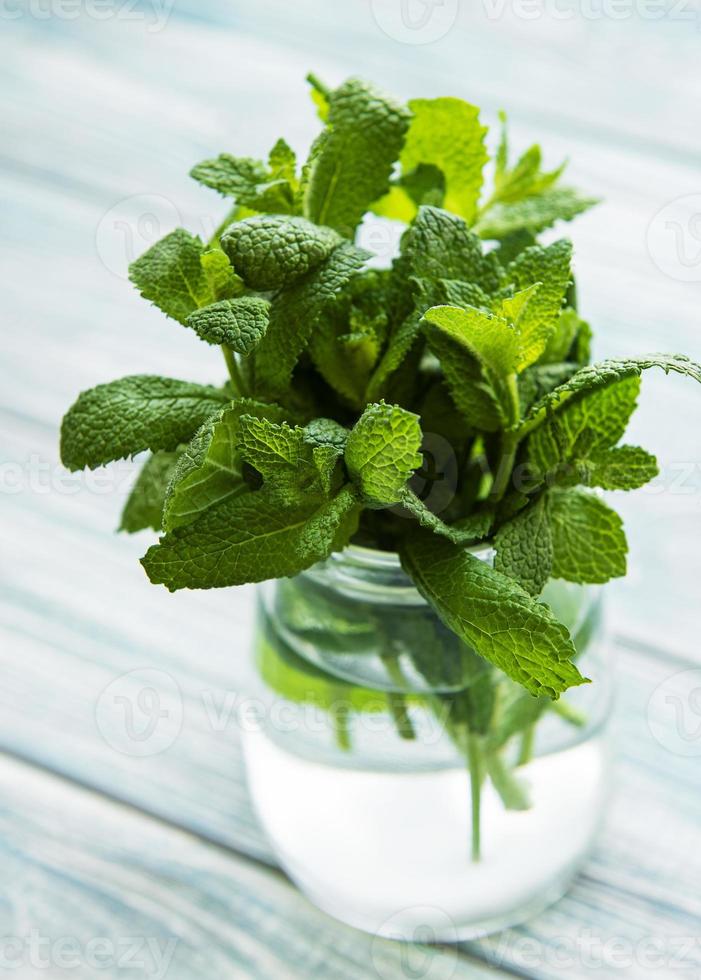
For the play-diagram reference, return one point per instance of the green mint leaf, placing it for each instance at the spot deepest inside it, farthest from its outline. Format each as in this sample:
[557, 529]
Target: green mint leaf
[253, 537]
[437, 246]
[144, 506]
[126, 417]
[492, 614]
[589, 544]
[622, 468]
[569, 340]
[231, 176]
[446, 134]
[239, 323]
[594, 421]
[294, 314]
[326, 432]
[279, 453]
[539, 379]
[282, 162]
[350, 168]
[524, 549]
[170, 275]
[538, 320]
[270, 251]
[478, 352]
[210, 469]
[596, 376]
[222, 280]
[382, 452]
[533, 214]
[426, 518]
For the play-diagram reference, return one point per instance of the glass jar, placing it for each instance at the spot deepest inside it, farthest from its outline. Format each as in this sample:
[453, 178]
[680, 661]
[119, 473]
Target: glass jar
[404, 782]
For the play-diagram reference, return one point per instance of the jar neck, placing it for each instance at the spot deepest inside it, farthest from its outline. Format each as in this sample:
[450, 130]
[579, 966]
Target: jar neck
[363, 571]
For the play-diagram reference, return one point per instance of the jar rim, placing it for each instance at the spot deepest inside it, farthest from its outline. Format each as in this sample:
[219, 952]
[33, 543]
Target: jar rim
[389, 560]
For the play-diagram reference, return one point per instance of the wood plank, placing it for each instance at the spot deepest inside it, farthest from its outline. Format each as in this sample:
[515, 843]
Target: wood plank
[76, 612]
[88, 883]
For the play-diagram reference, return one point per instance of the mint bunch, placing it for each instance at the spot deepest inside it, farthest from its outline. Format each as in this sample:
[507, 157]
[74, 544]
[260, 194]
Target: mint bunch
[338, 374]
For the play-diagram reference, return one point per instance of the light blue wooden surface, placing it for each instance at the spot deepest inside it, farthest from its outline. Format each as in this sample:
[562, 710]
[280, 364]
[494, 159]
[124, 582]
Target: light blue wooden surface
[96, 112]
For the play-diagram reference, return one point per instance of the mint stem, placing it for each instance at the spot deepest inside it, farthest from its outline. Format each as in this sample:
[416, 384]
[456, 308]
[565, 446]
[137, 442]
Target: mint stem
[509, 445]
[474, 756]
[398, 708]
[318, 85]
[233, 369]
[340, 719]
[527, 743]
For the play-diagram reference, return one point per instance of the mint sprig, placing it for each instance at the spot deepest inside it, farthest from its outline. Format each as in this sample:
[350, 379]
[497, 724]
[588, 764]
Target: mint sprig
[354, 392]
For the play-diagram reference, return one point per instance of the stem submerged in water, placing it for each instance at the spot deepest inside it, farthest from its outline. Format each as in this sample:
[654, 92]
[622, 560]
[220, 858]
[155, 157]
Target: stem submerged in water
[474, 758]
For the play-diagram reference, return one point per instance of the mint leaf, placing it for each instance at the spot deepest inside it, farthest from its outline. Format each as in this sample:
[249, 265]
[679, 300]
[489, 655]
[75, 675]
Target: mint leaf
[253, 537]
[231, 176]
[426, 518]
[534, 214]
[279, 453]
[170, 275]
[438, 245]
[293, 316]
[239, 323]
[210, 469]
[589, 544]
[256, 187]
[584, 425]
[350, 167]
[568, 341]
[446, 134]
[382, 452]
[478, 353]
[622, 468]
[144, 506]
[539, 379]
[524, 549]
[125, 417]
[269, 250]
[222, 280]
[326, 432]
[551, 268]
[595, 376]
[492, 614]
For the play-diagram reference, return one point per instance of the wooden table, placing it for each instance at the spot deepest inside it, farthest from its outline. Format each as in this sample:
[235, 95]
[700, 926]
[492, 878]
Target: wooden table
[108, 856]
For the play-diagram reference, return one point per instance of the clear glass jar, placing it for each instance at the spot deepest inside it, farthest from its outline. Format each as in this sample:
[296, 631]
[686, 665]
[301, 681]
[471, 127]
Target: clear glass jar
[402, 781]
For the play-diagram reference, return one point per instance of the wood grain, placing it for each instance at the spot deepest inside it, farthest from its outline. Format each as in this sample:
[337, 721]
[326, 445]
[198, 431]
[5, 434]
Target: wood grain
[103, 111]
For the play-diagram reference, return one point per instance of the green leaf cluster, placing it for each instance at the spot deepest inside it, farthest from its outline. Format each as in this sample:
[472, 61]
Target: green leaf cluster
[421, 404]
